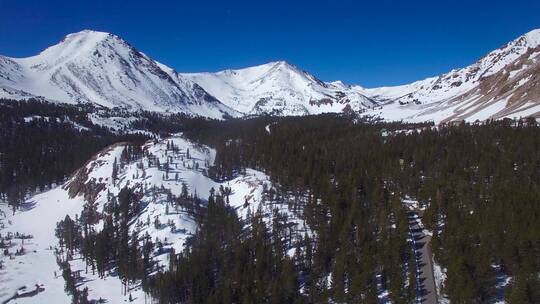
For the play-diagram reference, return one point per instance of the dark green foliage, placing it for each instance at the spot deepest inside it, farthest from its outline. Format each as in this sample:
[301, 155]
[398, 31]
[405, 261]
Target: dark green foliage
[224, 264]
[479, 181]
[77, 296]
[50, 144]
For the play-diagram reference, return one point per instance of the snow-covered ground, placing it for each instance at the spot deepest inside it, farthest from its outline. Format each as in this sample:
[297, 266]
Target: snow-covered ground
[503, 281]
[39, 216]
[440, 278]
[383, 294]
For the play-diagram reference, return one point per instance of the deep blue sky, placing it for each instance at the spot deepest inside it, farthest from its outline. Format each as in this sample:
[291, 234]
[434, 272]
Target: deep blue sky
[377, 43]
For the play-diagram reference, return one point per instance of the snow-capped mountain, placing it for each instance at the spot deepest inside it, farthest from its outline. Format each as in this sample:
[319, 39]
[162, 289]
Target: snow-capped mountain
[279, 88]
[504, 83]
[101, 68]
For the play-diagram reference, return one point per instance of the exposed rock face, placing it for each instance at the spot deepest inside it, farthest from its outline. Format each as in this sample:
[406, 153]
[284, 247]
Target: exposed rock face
[81, 183]
[504, 83]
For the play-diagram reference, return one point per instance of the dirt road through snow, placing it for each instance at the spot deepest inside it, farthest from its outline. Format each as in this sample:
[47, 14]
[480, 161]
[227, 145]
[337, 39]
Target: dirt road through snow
[422, 248]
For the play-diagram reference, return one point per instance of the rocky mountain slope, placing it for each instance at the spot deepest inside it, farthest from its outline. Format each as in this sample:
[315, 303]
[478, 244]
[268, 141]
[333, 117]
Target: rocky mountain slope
[102, 68]
[504, 83]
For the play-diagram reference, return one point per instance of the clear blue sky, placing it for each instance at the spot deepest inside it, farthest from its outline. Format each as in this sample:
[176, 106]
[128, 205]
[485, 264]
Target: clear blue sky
[368, 43]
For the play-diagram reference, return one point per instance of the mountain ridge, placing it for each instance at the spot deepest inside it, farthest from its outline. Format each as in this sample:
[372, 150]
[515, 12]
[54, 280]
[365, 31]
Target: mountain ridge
[280, 88]
[102, 68]
[461, 93]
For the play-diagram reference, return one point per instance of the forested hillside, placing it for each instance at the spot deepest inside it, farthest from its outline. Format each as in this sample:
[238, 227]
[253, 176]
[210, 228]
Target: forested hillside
[334, 226]
[478, 182]
[42, 143]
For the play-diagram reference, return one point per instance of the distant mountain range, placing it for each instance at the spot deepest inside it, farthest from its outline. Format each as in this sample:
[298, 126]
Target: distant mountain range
[504, 83]
[280, 88]
[101, 68]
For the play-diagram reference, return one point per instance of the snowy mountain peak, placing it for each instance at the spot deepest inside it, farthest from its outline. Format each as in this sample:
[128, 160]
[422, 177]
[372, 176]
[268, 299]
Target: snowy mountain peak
[279, 63]
[77, 42]
[87, 34]
[339, 84]
[282, 71]
[278, 88]
[260, 71]
[85, 43]
[285, 66]
[275, 65]
[102, 68]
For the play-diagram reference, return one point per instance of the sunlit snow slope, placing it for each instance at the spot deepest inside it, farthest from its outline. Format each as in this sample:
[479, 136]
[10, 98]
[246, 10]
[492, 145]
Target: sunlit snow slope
[504, 83]
[158, 218]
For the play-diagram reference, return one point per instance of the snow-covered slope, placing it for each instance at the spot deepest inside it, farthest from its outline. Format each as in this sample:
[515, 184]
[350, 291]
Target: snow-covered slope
[158, 175]
[279, 88]
[102, 68]
[504, 83]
